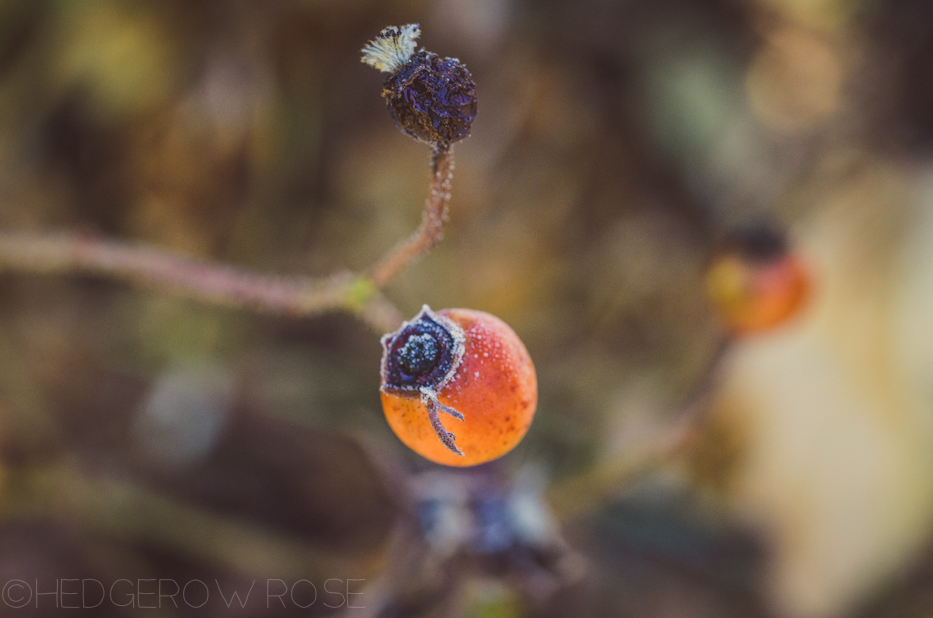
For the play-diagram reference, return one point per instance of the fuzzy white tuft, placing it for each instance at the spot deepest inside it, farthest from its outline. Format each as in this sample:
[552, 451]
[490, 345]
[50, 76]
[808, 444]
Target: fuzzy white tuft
[389, 51]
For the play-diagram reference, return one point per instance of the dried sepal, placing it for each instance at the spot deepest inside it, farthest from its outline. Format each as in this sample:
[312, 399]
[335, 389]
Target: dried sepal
[394, 46]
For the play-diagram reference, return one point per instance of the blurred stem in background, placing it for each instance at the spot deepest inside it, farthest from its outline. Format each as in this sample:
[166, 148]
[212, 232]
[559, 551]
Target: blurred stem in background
[584, 492]
[128, 511]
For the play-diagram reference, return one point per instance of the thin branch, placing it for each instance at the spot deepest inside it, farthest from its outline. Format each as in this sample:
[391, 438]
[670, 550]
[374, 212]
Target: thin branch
[222, 284]
[380, 313]
[431, 230]
[131, 512]
[582, 493]
[587, 491]
[210, 282]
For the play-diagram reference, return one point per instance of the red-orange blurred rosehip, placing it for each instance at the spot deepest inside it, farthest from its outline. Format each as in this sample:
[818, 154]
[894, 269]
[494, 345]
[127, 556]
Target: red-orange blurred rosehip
[755, 283]
[468, 365]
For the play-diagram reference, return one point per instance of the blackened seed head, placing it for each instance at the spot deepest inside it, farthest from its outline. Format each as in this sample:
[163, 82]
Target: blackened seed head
[432, 99]
[422, 354]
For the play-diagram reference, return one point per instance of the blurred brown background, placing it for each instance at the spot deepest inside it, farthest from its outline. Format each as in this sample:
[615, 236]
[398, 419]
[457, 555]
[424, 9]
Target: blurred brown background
[149, 437]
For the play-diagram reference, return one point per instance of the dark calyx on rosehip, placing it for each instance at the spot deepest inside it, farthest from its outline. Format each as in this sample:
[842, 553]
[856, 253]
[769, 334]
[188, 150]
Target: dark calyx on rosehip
[432, 99]
[420, 359]
[423, 354]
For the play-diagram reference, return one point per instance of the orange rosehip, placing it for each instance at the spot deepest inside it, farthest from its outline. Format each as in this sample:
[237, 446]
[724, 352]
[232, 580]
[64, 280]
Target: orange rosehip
[468, 365]
[755, 283]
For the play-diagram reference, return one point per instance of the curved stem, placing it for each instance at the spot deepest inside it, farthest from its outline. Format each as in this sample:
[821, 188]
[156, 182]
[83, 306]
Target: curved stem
[206, 281]
[202, 280]
[582, 493]
[431, 230]
[222, 284]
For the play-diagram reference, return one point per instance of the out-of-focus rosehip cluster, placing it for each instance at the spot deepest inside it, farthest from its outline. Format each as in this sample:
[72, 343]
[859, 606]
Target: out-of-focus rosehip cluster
[756, 280]
[504, 528]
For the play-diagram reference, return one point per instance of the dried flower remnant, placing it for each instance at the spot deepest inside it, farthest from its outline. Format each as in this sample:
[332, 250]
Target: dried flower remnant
[392, 49]
[432, 99]
[500, 523]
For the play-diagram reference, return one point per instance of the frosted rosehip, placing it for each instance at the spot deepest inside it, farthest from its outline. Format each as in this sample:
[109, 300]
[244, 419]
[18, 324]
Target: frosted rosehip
[467, 365]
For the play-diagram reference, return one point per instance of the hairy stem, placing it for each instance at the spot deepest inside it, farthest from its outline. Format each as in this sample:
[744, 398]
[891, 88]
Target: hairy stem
[202, 280]
[222, 284]
[431, 230]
